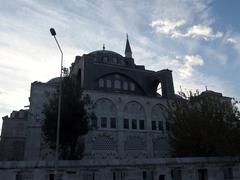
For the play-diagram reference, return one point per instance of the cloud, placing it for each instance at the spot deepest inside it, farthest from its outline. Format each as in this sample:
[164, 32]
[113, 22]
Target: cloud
[185, 71]
[167, 26]
[201, 31]
[189, 10]
[234, 40]
[188, 77]
[172, 28]
[183, 66]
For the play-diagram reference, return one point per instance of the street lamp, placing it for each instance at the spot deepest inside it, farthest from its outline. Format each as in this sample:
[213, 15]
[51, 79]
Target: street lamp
[53, 33]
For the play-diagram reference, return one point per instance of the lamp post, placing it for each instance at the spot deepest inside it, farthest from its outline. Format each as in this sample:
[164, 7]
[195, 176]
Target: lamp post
[53, 33]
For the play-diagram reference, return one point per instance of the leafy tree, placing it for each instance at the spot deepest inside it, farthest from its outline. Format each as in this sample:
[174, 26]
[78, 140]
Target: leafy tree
[205, 126]
[74, 120]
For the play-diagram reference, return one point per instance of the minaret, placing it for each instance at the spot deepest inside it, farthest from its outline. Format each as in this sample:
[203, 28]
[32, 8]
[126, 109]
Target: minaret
[128, 51]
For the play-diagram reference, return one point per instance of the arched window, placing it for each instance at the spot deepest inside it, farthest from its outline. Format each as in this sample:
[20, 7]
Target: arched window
[132, 86]
[109, 83]
[101, 83]
[117, 84]
[114, 60]
[134, 116]
[106, 113]
[105, 59]
[125, 85]
[159, 115]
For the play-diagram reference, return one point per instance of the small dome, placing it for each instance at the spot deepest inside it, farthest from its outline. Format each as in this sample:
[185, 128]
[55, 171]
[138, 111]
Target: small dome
[54, 80]
[210, 93]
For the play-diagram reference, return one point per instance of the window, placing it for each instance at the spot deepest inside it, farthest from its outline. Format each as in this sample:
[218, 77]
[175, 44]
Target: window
[117, 84]
[114, 175]
[176, 174]
[113, 123]
[19, 176]
[114, 60]
[101, 83]
[105, 59]
[167, 126]
[126, 124]
[109, 83]
[119, 61]
[94, 123]
[134, 124]
[228, 174]
[103, 122]
[125, 85]
[154, 127]
[88, 175]
[161, 177]
[202, 174]
[141, 124]
[160, 125]
[144, 175]
[51, 177]
[71, 172]
[132, 86]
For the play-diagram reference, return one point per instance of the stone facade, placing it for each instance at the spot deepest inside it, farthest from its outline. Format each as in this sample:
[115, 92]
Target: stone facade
[131, 114]
[13, 136]
[40, 93]
[128, 127]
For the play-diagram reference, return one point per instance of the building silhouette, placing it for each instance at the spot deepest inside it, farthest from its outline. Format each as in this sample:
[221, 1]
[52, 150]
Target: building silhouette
[129, 139]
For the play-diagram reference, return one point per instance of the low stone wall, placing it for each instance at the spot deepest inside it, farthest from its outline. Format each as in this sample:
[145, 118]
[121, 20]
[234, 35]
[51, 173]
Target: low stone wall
[151, 169]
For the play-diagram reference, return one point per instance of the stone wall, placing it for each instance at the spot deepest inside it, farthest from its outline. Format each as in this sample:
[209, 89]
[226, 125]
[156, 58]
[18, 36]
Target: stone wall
[13, 136]
[124, 127]
[138, 169]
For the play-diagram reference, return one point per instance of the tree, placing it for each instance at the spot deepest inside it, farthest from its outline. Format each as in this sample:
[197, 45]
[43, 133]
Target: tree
[204, 126]
[74, 119]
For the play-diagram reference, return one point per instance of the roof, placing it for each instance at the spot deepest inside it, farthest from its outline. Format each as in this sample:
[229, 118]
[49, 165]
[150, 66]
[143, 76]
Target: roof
[54, 80]
[210, 93]
[104, 53]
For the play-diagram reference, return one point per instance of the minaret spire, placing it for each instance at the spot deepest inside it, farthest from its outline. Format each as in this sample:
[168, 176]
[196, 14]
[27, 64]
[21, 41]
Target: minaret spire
[128, 51]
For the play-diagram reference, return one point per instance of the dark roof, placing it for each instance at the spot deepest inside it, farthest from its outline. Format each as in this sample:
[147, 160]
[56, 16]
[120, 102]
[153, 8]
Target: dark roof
[210, 93]
[54, 80]
[104, 52]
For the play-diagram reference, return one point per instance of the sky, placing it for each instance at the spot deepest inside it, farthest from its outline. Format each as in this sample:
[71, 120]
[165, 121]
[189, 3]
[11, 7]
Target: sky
[199, 40]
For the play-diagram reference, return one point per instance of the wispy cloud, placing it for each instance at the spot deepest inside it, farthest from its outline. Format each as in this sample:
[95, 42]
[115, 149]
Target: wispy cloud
[235, 41]
[200, 31]
[172, 28]
[186, 69]
[167, 26]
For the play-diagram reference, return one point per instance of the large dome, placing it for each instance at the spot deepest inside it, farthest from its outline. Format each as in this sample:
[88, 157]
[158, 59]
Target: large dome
[100, 53]
[108, 57]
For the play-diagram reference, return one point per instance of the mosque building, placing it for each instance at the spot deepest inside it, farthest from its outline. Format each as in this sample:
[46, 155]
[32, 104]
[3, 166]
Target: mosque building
[129, 138]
